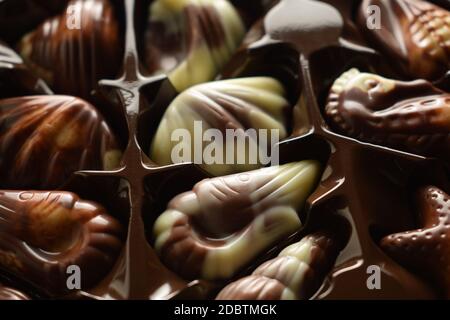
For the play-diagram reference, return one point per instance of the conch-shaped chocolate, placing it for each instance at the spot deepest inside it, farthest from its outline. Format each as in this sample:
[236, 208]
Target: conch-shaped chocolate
[43, 234]
[426, 250]
[409, 116]
[221, 225]
[7, 293]
[191, 40]
[73, 51]
[295, 274]
[44, 139]
[413, 33]
[231, 107]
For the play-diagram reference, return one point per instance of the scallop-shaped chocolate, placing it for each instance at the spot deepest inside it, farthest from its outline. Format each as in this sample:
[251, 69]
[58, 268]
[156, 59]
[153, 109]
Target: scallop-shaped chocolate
[221, 225]
[295, 274]
[7, 293]
[415, 34]
[44, 139]
[207, 124]
[45, 234]
[191, 40]
[76, 49]
[409, 116]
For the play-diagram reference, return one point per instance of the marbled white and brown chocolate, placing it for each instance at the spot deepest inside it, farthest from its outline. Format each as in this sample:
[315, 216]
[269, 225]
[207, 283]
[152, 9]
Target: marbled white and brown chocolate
[191, 40]
[221, 225]
[232, 107]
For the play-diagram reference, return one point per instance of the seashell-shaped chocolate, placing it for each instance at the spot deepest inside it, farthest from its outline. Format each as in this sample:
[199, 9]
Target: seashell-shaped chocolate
[44, 139]
[409, 116]
[7, 293]
[76, 49]
[426, 250]
[217, 228]
[415, 34]
[231, 107]
[295, 274]
[191, 40]
[42, 234]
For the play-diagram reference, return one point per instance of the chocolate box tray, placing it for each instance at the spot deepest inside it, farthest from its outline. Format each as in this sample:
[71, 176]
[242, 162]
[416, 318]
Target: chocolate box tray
[366, 191]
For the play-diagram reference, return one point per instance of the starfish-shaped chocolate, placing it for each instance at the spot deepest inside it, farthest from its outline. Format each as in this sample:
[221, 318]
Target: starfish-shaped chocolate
[426, 251]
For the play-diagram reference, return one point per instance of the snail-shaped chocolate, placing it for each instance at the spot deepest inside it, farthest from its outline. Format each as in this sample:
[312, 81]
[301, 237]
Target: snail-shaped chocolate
[217, 228]
[409, 116]
[76, 49]
[42, 234]
[191, 40]
[44, 139]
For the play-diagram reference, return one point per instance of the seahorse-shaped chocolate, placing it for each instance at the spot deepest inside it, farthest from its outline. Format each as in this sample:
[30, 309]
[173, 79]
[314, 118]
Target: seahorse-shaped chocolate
[409, 116]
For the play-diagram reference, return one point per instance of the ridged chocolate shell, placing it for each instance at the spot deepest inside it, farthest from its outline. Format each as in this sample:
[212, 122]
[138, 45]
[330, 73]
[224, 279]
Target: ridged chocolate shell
[44, 139]
[72, 58]
[295, 274]
[415, 34]
[43, 233]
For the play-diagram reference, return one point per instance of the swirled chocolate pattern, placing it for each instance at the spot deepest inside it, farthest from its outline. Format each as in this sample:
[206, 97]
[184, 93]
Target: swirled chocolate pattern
[44, 139]
[295, 274]
[43, 233]
[76, 49]
[409, 116]
[191, 40]
[217, 228]
[238, 105]
[414, 33]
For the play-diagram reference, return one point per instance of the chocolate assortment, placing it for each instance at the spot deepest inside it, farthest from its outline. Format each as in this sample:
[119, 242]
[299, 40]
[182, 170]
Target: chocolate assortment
[93, 91]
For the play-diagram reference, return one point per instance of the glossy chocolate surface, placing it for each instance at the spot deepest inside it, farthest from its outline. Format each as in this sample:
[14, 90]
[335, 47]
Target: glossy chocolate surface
[370, 185]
